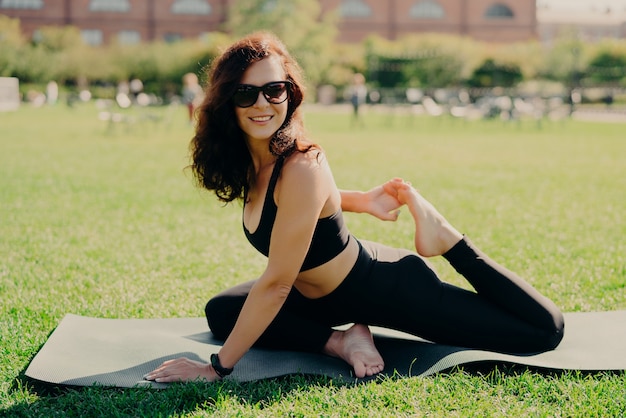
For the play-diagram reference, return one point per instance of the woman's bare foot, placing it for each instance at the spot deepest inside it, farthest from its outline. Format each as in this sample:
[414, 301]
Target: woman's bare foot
[356, 347]
[433, 233]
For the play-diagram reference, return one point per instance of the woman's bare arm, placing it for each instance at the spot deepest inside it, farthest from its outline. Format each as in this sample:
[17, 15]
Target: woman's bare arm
[381, 201]
[305, 187]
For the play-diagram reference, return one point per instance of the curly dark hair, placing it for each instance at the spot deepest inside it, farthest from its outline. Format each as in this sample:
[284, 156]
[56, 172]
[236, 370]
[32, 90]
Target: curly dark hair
[221, 161]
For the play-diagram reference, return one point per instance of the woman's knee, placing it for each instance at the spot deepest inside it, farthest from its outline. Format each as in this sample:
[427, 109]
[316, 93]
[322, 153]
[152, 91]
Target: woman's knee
[556, 331]
[550, 335]
[221, 313]
[223, 309]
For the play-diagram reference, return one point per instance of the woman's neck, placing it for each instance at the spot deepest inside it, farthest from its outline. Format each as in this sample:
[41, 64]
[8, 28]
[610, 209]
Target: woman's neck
[260, 155]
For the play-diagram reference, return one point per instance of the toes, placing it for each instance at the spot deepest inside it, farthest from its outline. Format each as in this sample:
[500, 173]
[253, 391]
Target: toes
[360, 370]
[374, 370]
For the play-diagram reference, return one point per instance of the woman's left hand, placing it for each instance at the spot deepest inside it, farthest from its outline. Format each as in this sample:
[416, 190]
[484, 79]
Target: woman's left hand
[182, 370]
[383, 200]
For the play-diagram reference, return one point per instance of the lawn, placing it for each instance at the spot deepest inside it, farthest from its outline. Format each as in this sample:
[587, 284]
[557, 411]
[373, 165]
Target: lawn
[105, 221]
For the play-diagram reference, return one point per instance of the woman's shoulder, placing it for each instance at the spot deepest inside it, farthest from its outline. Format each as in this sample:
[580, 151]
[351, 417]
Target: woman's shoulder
[305, 178]
[309, 160]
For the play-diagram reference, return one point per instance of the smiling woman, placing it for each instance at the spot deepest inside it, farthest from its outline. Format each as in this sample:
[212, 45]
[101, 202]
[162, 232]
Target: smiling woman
[261, 115]
[250, 145]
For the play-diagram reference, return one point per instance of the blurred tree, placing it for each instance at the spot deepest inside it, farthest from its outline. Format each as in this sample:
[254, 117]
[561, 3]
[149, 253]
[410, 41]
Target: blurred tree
[390, 71]
[34, 65]
[565, 60]
[493, 74]
[58, 38]
[425, 60]
[347, 59]
[307, 33]
[161, 65]
[11, 41]
[528, 56]
[57, 53]
[434, 69]
[607, 68]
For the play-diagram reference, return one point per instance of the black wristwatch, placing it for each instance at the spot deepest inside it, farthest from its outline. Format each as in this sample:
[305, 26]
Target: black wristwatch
[217, 366]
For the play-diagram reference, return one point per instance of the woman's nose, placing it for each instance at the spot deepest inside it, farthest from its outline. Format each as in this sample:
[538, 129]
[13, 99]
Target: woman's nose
[261, 101]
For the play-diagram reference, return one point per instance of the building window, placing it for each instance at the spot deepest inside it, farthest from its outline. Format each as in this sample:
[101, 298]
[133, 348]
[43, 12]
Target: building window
[128, 37]
[172, 37]
[354, 8]
[92, 36]
[499, 11]
[121, 6]
[37, 36]
[427, 9]
[191, 7]
[21, 4]
[268, 6]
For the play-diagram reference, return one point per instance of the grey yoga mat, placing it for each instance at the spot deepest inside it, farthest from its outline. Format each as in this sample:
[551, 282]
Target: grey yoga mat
[84, 351]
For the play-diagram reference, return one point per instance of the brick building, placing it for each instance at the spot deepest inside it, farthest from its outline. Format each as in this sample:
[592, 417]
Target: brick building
[487, 20]
[132, 21]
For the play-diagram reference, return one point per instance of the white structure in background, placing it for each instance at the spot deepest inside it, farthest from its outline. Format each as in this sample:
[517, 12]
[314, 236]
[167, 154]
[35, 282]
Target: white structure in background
[9, 94]
[589, 21]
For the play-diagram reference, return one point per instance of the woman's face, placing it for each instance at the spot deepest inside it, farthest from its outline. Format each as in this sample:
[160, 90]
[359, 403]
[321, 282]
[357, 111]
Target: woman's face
[262, 119]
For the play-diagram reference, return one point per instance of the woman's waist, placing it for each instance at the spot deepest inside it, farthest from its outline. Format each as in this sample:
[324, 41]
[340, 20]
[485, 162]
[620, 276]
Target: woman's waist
[323, 280]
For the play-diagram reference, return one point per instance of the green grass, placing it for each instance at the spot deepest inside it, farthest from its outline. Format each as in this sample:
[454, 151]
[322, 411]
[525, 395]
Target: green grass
[107, 223]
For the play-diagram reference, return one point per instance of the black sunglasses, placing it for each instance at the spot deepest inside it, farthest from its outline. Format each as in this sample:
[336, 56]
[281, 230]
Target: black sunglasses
[275, 92]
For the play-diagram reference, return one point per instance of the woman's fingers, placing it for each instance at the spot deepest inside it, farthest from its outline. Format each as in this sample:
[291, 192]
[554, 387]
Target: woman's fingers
[180, 369]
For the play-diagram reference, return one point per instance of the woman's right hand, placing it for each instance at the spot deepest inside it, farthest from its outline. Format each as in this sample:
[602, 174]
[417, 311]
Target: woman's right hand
[182, 370]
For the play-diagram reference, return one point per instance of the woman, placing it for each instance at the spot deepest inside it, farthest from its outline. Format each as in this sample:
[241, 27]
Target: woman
[192, 94]
[250, 144]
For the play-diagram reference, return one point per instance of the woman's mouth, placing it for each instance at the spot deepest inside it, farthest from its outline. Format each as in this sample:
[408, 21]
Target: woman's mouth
[261, 118]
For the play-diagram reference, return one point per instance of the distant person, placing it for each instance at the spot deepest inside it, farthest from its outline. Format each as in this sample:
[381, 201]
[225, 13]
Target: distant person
[136, 87]
[52, 92]
[357, 93]
[250, 145]
[192, 94]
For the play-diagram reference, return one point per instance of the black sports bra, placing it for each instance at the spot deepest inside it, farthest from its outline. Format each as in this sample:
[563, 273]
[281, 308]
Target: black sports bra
[330, 237]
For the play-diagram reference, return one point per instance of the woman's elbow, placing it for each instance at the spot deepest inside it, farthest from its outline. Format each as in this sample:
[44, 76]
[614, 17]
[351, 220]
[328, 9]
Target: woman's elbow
[282, 290]
[276, 289]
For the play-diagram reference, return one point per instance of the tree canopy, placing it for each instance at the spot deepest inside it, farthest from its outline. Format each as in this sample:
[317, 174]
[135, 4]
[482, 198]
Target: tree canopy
[308, 34]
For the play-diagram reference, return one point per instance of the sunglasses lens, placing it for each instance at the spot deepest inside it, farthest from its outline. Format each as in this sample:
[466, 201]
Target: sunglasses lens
[246, 96]
[275, 92]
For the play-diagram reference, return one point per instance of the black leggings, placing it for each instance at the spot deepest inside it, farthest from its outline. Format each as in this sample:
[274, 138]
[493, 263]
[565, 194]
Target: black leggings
[396, 289]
